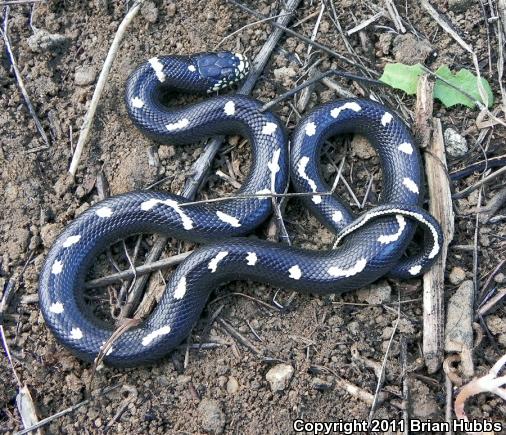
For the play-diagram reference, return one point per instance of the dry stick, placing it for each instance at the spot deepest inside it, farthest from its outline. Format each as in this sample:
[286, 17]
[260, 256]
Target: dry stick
[20, 2]
[102, 80]
[485, 180]
[20, 81]
[441, 207]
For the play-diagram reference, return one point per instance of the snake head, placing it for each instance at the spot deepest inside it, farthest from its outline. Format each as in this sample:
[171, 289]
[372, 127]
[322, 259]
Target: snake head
[221, 69]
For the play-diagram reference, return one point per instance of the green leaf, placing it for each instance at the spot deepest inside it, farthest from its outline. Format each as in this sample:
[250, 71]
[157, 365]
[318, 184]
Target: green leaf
[464, 80]
[404, 77]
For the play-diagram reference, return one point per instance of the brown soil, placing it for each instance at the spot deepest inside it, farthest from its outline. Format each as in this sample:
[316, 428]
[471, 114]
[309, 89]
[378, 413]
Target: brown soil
[224, 388]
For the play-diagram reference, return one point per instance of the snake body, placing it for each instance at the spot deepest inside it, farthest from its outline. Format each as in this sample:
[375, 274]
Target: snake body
[370, 246]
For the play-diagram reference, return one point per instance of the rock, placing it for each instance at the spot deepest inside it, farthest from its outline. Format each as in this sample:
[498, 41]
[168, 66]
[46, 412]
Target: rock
[85, 75]
[457, 275]
[171, 9]
[211, 416]
[150, 12]
[42, 40]
[279, 376]
[166, 152]
[456, 145]
[499, 278]
[459, 329]
[423, 401]
[361, 147]
[459, 5]
[285, 74]
[354, 327]
[410, 50]
[232, 385]
[496, 324]
[375, 294]
[49, 232]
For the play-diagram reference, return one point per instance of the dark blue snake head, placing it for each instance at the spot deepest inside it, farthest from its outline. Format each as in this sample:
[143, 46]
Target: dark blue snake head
[221, 69]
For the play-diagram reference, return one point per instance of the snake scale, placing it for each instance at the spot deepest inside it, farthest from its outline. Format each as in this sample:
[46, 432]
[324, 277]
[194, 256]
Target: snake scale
[369, 246]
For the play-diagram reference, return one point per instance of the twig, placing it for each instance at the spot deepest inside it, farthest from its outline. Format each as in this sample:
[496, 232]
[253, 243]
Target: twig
[102, 80]
[238, 336]
[441, 208]
[365, 23]
[463, 193]
[19, 78]
[20, 2]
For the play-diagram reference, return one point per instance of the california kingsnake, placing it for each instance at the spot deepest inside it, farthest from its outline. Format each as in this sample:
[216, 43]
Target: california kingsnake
[370, 246]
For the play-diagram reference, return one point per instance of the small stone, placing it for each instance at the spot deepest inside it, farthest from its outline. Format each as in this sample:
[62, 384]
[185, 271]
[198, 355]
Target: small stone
[410, 50]
[456, 145]
[499, 278]
[375, 294]
[166, 152]
[85, 75]
[150, 12]
[496, 324]
[42, 40]
[211, 416]
[98, 422]
[354, 327]
[285, 74]
[232, 385]
[361, 147]
[49, 232]
[423, 401]
[279, 376]
[171, 9]
[457, 275]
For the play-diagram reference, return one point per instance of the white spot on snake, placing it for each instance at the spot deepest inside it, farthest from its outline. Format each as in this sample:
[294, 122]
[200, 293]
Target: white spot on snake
[269, 128]
[229, 108]
[56, 307]
[301, 170]
[233, 221]
[386, 119]
[182, 123]
[310, 129]
[147, 339]
[357, 268]
[180, 289]
[137, 103]
[295, 272]
[158, 68]
[415, 270]
[350, 105]
[57, 267]
[104, 212]
[150, 203]
[72, 240]
[410, 184]
[273, 166]
[192, 68]
[76, 333]
[389, 238]
[251, 258]
[337, 216]
[406, 148]
[213, 264]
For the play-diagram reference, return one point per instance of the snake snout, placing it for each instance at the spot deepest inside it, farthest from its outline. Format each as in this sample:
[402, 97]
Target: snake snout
[222, 69]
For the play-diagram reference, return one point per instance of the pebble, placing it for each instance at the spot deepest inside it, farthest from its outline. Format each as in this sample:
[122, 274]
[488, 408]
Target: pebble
[361, 147]
[166, 151]
[232, 385]
[423, 401]
[456, 144]
[171, 9]
[211, 416]
[42, 40]
[410, 50]
[284, 74]
[85, 75]
[499, 278]
[354, 327]
[279, 376]
[49, 232]
[150, 12]
[375, 294]
[496, 324]
[457, 275]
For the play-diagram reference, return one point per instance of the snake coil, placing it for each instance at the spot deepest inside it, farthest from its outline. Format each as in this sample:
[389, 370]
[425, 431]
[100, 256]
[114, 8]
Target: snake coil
[369, 246]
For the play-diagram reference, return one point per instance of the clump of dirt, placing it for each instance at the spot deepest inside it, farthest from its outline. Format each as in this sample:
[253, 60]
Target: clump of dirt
[222, 387]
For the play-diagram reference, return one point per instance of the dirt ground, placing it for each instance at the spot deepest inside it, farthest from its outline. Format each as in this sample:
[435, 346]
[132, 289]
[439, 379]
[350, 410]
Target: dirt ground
[224, 387]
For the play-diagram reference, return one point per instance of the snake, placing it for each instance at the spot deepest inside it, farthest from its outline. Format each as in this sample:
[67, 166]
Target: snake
[367, 247]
